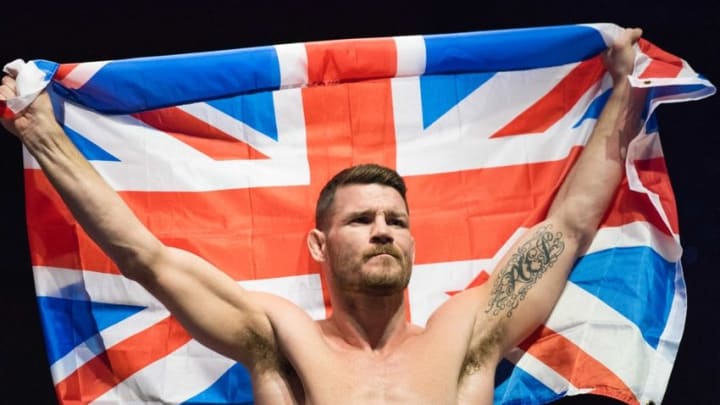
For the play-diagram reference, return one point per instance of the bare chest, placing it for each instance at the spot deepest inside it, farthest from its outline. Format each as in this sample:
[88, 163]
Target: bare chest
[401, 378]
[407, 376]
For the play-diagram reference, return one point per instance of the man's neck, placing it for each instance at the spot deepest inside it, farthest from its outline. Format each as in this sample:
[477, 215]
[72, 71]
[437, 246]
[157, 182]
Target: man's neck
[370, 322]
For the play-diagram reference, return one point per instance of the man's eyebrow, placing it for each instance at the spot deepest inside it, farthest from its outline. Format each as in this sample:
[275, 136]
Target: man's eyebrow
[359, 213]
[373, 212]
[397, 214]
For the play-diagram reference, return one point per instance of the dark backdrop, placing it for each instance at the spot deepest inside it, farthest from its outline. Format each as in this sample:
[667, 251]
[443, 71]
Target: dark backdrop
[67, 32]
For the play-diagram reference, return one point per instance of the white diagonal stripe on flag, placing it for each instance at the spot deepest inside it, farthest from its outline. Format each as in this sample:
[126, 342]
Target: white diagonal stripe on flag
[81, 73]
[151, 160]
[460, 140]
[176, 377]
[106, 339]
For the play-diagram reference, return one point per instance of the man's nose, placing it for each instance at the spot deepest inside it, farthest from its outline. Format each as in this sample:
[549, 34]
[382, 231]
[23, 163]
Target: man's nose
[380, 231]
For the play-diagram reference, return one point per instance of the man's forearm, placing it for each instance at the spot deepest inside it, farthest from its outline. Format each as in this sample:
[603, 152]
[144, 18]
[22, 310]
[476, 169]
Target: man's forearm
[94, 204]
[588, 189]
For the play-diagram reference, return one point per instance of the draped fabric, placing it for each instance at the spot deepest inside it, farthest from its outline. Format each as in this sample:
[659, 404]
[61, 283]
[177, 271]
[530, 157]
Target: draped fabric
[224, 153]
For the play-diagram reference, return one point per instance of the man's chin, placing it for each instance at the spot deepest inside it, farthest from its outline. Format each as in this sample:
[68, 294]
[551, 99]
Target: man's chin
[383, 289]
[386, 280]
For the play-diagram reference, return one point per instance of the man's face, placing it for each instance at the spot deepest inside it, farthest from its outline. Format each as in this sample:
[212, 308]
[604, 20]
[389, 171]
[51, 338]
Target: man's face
[369, 246]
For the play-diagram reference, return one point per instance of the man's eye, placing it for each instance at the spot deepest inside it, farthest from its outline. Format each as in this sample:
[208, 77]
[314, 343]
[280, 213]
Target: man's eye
[398, 222]
[361, 220]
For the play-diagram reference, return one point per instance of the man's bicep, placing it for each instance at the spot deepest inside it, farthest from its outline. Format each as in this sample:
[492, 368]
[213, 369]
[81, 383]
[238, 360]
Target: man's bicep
[213, 307]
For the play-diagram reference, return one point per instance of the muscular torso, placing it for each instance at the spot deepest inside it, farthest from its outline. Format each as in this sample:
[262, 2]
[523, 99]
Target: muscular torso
[426, 366]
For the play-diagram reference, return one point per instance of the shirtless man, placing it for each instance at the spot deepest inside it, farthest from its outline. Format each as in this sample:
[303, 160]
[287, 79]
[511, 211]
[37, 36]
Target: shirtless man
[366, 352]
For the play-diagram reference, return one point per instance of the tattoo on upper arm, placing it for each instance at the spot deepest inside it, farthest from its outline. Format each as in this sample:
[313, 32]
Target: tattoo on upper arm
[525, 267]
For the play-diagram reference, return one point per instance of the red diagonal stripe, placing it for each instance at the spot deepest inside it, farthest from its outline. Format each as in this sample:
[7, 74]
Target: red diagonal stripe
[556, 103]
[654, 175]
[198, 134]
[663, 64]
[63, 70]
[575, 365]
[629, 206]
[119, 362]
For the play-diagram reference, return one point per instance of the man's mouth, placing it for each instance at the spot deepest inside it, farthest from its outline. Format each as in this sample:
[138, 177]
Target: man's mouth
[381, 252]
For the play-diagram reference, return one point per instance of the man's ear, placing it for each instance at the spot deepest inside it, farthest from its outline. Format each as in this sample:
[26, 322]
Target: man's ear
[316, 244]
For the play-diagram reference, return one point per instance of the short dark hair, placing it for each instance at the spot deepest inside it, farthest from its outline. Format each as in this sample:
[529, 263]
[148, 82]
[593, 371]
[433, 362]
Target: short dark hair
[368, 173]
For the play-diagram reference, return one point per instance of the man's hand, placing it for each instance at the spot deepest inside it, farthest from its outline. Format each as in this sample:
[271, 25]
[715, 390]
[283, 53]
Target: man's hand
[619, 59]
[33, 123]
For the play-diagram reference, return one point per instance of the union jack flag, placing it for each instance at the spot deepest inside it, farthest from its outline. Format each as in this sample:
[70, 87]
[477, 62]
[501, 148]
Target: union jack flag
[224, 154]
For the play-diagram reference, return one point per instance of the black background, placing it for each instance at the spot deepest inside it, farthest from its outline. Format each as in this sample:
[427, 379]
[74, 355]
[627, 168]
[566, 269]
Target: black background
[78, 32]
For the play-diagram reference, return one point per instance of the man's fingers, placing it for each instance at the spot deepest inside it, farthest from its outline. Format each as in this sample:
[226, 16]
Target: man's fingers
[7, 89]
[628, 37]
[6, 93]
[9, 81]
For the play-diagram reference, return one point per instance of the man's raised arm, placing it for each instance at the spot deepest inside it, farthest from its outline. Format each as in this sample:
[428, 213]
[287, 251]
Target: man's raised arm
[230, 320]
[528, 281]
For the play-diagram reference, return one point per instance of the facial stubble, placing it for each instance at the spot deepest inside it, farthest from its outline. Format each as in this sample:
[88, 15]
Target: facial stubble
[350, 274]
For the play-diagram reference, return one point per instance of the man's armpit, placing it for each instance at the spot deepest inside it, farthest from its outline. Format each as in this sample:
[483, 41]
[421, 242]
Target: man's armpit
[263, 351]
[479, 355]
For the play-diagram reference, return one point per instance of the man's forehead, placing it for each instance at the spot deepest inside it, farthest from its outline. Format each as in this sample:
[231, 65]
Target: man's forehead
[364, 197]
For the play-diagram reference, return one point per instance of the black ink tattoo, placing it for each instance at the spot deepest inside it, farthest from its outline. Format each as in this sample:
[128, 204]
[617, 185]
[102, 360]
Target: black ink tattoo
[525, 267]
